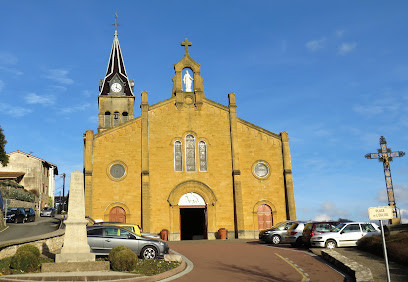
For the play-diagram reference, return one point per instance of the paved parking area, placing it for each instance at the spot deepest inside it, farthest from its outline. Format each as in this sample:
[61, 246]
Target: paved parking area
[242, 260]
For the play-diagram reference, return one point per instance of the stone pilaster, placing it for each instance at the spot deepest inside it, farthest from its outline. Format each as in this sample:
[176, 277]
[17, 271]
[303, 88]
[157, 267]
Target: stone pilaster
[145, 204]
[88, 169]
[287, 173]
[236, 172]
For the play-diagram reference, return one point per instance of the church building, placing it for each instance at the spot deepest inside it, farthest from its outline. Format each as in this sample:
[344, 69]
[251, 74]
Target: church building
[186, 164]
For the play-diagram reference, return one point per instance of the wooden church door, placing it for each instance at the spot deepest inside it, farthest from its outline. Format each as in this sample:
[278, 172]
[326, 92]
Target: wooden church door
[117, 214]
[265, 219]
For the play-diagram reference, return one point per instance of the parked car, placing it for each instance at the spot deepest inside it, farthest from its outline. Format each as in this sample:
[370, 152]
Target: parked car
[316, 228]
[30, 214]
[102, 238]
[135, 228]
[48, 212]
[345, 234]
[294, 234]
[16, 215]
[277, 233]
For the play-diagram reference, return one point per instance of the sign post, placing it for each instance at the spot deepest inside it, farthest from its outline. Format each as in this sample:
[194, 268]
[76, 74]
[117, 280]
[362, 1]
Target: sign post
[382, 213]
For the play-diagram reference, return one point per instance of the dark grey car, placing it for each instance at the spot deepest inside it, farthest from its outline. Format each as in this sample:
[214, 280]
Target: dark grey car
[102, 239]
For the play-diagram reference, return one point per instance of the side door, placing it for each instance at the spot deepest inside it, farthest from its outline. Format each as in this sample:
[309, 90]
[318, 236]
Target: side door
[350, 235]
[95, 240]
[116, 236]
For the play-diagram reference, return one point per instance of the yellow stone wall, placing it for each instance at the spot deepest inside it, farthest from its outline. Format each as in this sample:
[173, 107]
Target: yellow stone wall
[256, 145]
[168, 122]
[120, 144]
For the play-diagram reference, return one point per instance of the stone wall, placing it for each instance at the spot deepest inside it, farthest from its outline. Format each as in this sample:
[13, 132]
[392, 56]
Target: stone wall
[48, 243]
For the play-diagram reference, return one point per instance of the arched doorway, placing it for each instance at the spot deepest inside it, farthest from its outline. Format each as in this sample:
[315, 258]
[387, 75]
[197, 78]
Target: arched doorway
[193, 217]
[265, 219]
[117, 214]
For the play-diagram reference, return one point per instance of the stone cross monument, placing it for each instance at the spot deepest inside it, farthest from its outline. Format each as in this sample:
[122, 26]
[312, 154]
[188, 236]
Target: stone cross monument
[75, 248]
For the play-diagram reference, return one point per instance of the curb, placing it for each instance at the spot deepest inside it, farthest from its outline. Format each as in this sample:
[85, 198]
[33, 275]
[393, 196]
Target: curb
[352, 268]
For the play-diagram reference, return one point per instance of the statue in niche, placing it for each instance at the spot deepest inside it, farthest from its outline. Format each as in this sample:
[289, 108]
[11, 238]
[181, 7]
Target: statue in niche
[188, 81]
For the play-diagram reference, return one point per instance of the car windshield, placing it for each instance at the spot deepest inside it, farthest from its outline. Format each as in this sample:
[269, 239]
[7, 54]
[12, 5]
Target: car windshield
[338, 227]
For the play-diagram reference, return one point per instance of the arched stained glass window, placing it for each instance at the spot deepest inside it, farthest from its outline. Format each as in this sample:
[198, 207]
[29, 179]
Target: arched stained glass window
[107, 119]
[190, 153]
[178, 156]
[202, 154]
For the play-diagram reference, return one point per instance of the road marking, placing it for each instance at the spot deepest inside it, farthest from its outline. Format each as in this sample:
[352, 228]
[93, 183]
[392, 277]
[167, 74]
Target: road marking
[304, 277]
[4, 229]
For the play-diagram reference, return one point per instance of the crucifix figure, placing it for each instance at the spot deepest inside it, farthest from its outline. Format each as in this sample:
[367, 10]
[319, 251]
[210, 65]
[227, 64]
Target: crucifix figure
[185, 43]
[385, 156]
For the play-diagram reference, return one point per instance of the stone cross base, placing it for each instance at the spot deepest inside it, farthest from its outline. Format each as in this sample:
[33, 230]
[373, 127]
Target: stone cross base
[74, 257]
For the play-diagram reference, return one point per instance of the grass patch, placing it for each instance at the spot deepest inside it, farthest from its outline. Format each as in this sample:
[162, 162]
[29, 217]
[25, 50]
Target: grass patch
[397, 246]
[5, 268]
[154, 266]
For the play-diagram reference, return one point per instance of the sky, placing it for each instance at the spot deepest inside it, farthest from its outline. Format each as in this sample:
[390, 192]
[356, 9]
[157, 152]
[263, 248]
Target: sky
[333, 74]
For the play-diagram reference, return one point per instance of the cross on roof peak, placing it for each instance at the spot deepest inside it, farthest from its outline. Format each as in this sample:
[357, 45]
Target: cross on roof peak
[185, 43]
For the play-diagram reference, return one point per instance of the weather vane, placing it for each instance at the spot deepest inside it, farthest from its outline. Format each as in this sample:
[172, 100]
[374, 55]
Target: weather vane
[116, 23]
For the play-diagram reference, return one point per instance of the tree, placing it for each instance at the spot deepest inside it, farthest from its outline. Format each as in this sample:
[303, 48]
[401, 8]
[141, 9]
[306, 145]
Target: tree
[3, 156]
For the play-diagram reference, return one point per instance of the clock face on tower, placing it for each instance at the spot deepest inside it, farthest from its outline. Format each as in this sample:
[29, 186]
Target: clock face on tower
[116, 87]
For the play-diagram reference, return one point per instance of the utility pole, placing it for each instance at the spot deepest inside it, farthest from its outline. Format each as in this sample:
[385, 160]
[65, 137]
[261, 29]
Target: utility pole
[63, 191]
[385, 156]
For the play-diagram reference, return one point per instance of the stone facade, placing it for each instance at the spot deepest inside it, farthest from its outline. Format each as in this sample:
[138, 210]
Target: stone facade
[39, 175]
[188, 145]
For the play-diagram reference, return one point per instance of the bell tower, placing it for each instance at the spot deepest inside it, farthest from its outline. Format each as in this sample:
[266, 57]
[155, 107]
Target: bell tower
[187, 89]
[116, 99]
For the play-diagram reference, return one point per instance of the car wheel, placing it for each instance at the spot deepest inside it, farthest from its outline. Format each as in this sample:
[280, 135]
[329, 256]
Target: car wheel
[149, 252]
[298, 243]
[276, 239]
[331, 244]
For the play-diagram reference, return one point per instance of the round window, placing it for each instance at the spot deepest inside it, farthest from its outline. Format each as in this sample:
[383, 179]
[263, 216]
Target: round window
[117, 171]
[261, 170]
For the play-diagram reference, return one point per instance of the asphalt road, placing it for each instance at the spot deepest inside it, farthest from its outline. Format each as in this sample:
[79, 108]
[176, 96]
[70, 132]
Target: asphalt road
[41, 225]
[242, 260]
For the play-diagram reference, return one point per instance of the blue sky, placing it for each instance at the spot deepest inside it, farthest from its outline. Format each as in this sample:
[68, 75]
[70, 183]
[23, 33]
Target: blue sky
[333, 74]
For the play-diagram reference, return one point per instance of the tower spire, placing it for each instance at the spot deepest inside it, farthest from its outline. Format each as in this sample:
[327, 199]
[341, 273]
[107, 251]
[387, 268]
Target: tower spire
[116, 68]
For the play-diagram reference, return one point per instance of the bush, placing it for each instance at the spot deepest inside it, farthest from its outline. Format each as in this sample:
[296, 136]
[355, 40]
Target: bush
[123, 260]
[29, 248]
[114, 251]
[25, 261]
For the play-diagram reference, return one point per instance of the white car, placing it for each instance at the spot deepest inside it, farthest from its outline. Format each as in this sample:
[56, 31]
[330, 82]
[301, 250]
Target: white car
[345, 235]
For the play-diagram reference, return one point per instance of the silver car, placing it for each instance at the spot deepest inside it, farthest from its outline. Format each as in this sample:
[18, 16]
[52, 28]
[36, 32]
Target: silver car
[277, 233]
[294, 234]
[48, 212]
[102, 238]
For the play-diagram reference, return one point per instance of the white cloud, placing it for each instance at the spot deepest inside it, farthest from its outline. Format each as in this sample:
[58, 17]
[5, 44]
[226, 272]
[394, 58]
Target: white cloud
[346, 48]
[72, 109]
[1, 85]
[400, 194]
[315, 45]
[8, 59]
[11, 70]
[329, 209]
[13, 111]
[340, 33]
[404, 216]
[59, 75]
[33, 98]
[86, 93]
[322, 217]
